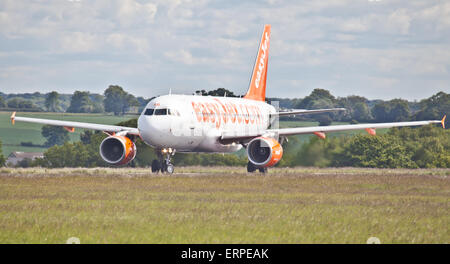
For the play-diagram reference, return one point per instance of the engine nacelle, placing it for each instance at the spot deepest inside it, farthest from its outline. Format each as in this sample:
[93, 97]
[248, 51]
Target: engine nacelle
[117, 150]
[264, 152]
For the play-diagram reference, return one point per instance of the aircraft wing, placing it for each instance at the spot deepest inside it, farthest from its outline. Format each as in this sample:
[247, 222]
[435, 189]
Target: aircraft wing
[321, 130]
[324, 129]
[71, 125]
[305, 112]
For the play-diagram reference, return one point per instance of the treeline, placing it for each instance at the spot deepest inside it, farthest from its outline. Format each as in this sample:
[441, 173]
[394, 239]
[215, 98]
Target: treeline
[422, 147]
[360, 109]
[114, 100]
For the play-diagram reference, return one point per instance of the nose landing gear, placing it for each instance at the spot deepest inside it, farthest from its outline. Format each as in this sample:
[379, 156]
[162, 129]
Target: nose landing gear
[163, 163]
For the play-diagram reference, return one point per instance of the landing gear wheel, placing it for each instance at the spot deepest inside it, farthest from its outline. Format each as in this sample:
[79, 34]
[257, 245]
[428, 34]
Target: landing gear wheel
[250, 167]
[163, 163]
[170, 168]
[263, 170]
[155, 166]
[163, 167]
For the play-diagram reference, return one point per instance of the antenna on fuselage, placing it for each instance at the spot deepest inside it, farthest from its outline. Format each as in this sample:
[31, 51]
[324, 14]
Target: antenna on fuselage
[170, 91]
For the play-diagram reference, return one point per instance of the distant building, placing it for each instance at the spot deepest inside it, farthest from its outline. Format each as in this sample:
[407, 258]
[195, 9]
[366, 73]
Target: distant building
[17, 156]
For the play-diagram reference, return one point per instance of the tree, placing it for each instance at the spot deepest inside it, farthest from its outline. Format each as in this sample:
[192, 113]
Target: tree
[25, 163]
[429, 145]
[217, 92]
[319, 98]
[399, 110]
[356, 108]
[2, 102]
[55, 135]
[19, 103]
[2, 158]
[434, 107]
[324, 119]
[117, 100]
[424, 147]
[143, 102]
[375, 152]
[97, 101]
[392, 111]
[381, 112]
[51, 101]
[80, 103]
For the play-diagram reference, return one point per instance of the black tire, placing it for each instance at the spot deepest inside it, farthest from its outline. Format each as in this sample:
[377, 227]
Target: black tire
[155, 166]
[263, 170]
[251, 167]
[170, 168]
[163, 167]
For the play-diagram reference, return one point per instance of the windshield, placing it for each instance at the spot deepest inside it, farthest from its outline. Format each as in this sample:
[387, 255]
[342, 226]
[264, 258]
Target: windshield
[149, 111]
[161, 111]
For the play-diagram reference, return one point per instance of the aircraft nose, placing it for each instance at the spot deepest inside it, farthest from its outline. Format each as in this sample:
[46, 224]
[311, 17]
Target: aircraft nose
[146, 124]
[151, 130]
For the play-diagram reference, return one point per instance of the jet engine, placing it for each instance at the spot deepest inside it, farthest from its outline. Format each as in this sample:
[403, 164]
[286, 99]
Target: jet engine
[117, 150]
[264, 152]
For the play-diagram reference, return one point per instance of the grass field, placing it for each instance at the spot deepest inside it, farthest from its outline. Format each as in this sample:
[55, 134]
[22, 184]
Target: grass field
[224, 205]
[11, 136]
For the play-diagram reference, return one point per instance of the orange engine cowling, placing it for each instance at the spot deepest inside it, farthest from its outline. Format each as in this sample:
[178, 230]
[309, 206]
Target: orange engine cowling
[264, 152]
[117, 150]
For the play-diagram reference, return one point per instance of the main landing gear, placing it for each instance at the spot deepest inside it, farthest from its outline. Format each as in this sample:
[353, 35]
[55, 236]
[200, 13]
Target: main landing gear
[252, 168]
[163, 163]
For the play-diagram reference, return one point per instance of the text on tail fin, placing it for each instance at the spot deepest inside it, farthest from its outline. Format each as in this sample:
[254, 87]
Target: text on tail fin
[257, 88]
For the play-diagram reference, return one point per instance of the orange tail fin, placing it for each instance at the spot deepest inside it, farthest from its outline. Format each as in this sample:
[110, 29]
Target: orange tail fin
[257, 88]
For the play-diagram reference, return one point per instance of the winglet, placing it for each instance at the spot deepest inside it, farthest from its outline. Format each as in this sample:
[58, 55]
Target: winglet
[443, 121]
[13, 118]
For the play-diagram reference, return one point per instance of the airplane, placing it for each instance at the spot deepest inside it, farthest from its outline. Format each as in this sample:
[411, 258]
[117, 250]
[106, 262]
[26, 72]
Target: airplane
[209, 124]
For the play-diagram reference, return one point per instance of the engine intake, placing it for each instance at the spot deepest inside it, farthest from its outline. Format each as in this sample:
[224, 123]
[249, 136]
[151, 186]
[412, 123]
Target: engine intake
[117, 150]
[264, 152]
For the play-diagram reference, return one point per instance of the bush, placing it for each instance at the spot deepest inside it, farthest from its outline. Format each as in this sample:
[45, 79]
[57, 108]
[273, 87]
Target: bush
[2, 158]
[25, 163]
[424, 147]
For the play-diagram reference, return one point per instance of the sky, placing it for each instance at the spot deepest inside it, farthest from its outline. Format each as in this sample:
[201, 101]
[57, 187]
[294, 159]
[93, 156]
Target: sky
[380, 49]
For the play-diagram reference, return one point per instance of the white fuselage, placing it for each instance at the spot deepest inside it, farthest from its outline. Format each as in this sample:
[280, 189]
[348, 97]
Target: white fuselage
[190, 123]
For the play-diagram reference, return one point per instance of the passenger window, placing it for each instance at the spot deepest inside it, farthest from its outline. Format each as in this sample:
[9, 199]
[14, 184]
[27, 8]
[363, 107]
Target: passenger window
[162, 111]
[149, 111]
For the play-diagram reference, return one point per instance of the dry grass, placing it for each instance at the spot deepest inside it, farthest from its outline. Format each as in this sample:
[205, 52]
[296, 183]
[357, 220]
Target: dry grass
[224, 205]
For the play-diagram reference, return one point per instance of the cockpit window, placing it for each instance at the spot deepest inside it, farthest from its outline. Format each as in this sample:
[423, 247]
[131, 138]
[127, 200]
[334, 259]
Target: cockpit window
[149, 111]
[160, 111]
